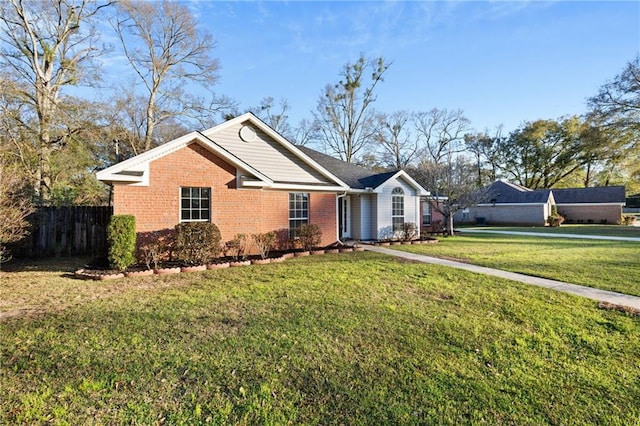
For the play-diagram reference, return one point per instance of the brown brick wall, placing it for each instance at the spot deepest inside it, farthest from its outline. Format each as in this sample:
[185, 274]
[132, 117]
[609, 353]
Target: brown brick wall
[524, 215]
[157, 206]
[435, 216]
[591, 214]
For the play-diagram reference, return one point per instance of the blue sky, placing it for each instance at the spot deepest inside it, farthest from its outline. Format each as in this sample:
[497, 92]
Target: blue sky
[501, 62]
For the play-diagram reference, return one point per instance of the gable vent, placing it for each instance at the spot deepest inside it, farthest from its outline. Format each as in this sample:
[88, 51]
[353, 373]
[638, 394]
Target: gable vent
[247, 134]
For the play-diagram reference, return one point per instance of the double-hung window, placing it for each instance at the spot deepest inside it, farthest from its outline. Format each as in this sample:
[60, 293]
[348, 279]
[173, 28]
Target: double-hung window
[298, 211]
[426, 213]
[397, 209]
[195, 204]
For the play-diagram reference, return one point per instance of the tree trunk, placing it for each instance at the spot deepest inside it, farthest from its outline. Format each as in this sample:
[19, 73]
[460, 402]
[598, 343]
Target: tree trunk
[148, 135]
[450, 224]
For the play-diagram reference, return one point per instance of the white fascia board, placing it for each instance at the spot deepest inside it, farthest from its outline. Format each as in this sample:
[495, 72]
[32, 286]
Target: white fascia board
[135, 176]
[360, 191]
[431, 197]
[278, 138]
[292, 187]
[232, 159]
[588, 204]
[140, 163]
[508, 204]
[404, 175]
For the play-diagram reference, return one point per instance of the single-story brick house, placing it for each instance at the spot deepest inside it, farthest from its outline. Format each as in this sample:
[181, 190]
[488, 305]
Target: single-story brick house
[510, 204]
[246, 178]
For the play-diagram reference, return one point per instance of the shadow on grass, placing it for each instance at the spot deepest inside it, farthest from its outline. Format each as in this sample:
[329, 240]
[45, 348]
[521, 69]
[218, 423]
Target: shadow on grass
[53, 264]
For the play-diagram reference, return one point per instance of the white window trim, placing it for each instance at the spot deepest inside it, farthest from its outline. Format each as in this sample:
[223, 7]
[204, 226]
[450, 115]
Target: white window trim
[395, 194]
[307, 218]
[180, 204]
[428, 203]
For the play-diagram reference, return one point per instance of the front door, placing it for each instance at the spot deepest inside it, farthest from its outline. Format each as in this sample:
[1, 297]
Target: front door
[344, 213]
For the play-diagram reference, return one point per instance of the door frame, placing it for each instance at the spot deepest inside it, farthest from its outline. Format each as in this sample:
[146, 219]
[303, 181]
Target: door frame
[344, 217]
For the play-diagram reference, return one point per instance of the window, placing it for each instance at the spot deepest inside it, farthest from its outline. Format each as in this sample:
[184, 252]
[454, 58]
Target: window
[298, 211]
[195, 204]
[397, 209]
[426, 213]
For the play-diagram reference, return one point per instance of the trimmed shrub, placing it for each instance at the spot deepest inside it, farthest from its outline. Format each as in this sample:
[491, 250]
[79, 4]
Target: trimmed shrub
[309, 235]
[196, 243]
[627, 220]
[555, 219]
[238, 247]
[155, 247]
[409, 231]
[121, 237]
[264, 242]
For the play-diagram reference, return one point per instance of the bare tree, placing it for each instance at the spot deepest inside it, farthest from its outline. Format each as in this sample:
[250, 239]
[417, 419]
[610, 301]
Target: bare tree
[618, 101]
[275, 115]
[486, 154]
[162, 43]
[305, 132]
[344, 115]
[399, 145]
[127, 123]
[451, 184]
[441, 132]
[48, 45]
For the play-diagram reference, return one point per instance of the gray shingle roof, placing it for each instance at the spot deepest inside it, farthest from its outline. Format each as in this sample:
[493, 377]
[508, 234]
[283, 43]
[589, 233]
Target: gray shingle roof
[502, 192]
[601, 194]
[356, 177]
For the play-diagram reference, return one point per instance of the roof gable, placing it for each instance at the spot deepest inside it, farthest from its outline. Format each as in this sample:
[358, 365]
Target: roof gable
[502, 192]
[135, 170]
[262, 157]
[256, 143]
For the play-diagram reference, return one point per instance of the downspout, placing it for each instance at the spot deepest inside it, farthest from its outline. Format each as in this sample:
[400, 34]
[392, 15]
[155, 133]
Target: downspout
[338, 212]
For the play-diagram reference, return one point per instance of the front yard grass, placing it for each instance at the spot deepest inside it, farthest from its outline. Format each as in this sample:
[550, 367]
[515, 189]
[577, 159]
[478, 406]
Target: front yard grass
[605, 230]
[608, 265]
[336, 339]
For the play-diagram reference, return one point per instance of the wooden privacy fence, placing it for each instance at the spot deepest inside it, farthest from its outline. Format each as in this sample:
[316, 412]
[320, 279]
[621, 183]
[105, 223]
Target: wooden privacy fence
[66, 231]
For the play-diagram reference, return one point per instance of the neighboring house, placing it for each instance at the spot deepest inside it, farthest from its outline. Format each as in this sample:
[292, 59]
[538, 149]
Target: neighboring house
[510, 204]
[633, 201]
[601, 204]
[246, 178]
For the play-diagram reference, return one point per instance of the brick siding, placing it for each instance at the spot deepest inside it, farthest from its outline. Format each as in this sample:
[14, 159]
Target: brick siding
[591, 214]
[436, 216]
[249, 211]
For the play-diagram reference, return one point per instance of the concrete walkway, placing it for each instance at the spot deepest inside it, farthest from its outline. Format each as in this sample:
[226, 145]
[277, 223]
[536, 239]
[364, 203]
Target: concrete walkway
[549, 234]
[588, 292]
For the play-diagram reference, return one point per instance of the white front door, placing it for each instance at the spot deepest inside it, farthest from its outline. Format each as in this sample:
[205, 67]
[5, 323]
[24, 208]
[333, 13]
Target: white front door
[344, 220]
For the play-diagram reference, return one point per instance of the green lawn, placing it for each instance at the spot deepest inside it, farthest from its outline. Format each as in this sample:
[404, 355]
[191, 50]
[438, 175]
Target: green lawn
[355, 338]
[608, 265]
[607, 230]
